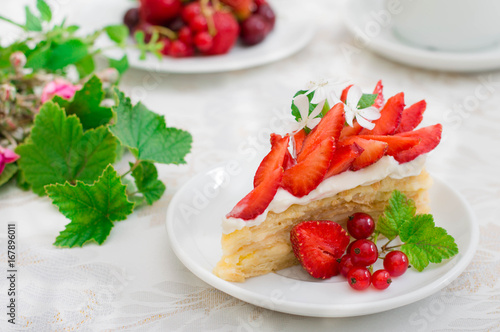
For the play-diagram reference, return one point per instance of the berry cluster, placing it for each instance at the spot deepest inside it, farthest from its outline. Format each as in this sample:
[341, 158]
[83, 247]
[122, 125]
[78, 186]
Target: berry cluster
[323, 249]
[362, 253]
[201, 26]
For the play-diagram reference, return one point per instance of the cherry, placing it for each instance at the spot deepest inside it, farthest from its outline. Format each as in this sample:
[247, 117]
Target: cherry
[198, 23]
[132, 18]
[267, 13]
[203, 41]
[254, 29]
[381, 279]
[359, 278]
[185, 35]
[176, 24]
[159, 12]
[345, 265]
[364, 252]
[360, 225]
[190, 11]
[396, 263]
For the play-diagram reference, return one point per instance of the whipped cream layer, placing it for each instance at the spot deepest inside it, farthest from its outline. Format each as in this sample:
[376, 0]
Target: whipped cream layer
[385, 167]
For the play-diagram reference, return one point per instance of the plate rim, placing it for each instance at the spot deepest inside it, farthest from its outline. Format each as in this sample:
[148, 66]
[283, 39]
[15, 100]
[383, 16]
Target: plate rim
[463, 62]
[311, 309]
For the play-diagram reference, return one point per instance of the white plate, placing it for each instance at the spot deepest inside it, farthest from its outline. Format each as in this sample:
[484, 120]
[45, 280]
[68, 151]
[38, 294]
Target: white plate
[194, 229]
[291, 33]
[372, 31]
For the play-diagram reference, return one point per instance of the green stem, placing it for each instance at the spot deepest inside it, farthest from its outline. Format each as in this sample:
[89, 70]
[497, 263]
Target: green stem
[326, 108]
[393, 247]
[12, 22]
[134, 166]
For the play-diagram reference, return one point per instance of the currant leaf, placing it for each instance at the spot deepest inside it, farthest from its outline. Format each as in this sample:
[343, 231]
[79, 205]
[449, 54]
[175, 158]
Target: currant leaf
[147, 183]
[92, 209]
[58, 150]
[398, 211]
[146, 135]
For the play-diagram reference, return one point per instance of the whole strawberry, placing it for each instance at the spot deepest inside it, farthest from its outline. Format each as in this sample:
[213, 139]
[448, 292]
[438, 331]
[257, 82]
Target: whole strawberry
[227, 33]
[317, 245]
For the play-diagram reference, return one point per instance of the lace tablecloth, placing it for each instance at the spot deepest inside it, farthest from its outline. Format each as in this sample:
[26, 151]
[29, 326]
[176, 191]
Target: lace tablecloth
[135, 282]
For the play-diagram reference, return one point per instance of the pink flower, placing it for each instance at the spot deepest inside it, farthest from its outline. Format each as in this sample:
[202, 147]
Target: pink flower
[6, 157]
[59, 87]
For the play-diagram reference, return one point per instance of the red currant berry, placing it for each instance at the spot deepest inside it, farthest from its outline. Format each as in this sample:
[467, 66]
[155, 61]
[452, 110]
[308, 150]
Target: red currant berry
[345, 265]
[166, 46]
[179, 49]
[190, 11]
[381, 279]
[203, 41]
[396, 263]
[359, 278]
[198, 23]
[360, 225]
[185, 35]
[364, 252]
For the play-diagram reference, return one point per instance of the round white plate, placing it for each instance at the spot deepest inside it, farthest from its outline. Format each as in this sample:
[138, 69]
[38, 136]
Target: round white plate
[194, 230]
[374, 31]
[291, 33]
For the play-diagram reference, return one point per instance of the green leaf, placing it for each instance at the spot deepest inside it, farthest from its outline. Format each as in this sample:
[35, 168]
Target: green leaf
[398, 211]
[120, 65]
[146, 135]
[92, 209]
[117, 33]
[86, 105]
[39, 56]
[425, 243]
[8, 172]
[44, 10]
[33, 23]
[66, 53]
[59, 151]
[147, 183]
[21, 181]
[85, 66]
[366, 100]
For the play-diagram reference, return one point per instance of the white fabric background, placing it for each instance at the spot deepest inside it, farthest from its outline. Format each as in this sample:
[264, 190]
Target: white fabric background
[135, 282]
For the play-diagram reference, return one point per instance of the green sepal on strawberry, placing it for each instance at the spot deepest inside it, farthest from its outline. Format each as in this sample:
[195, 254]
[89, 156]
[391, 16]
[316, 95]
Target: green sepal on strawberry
[317, 246]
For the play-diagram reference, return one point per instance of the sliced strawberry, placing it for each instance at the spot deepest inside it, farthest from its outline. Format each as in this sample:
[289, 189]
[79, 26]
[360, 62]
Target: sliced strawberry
[274, 159]
[390, 117]
[342, 158]
[372, 151]
[298, 141]
[430, 137]
[396, 143]
[257, 201]
[330, 126]
[351, 131]
[379, 101]
[343, 96]
[307, 174]
[412, 116]
[317, 246]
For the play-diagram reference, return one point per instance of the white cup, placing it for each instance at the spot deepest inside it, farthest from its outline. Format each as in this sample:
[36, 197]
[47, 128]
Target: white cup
[448, 25]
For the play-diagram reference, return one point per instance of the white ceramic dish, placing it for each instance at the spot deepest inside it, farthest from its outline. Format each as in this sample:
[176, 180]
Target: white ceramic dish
[292, 32]
[194, 230]
[363, 19]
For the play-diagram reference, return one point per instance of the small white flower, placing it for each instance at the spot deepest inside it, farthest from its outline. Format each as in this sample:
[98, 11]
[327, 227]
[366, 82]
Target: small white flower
[307, 120]
[324, 89]
[363, 116]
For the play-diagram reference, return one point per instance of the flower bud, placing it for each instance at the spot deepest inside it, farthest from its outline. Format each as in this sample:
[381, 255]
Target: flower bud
[18, 60]
[7, 92]
[109, 75]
